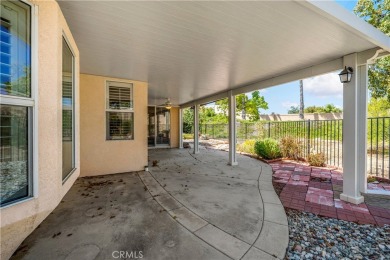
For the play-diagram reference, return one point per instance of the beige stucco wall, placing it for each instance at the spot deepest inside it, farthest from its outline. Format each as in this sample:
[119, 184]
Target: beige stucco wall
[174, 127]
[19, 220]
[98, 155]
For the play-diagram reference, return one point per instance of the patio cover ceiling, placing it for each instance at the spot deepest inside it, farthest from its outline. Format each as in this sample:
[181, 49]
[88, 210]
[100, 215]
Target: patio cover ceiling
[191, 50]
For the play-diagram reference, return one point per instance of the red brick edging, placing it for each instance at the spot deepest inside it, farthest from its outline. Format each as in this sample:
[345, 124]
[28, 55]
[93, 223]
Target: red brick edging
[317, 190]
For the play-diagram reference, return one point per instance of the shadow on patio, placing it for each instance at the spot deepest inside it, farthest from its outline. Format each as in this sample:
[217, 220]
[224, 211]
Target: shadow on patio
[188, 206]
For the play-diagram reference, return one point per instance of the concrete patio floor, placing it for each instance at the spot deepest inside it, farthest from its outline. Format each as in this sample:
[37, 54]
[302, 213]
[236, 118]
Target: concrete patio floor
[187, 207]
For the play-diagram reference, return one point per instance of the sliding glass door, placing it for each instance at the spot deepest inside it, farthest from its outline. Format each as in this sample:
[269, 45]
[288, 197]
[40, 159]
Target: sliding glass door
[163, 126]
[151, 126]
[159, 126]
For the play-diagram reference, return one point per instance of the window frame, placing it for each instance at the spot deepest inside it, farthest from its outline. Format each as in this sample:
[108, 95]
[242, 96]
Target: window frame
[74, 121]
[31, 103]
[124, 84]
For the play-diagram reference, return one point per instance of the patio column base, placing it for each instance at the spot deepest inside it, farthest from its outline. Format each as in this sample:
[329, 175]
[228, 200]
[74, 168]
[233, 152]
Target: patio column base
[352, 199]
[233, 163]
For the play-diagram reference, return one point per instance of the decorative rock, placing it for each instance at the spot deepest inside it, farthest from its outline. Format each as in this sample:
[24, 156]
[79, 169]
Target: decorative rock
[298, 248]
[314, 237]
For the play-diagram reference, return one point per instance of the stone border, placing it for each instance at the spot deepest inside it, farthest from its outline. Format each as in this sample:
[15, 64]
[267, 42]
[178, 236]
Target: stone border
[272, 241]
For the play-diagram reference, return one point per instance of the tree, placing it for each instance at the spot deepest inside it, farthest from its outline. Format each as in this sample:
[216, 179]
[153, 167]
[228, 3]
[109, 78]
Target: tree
[223, 105]
[247, 106]
[206, 114]
[254, 105]
[241, 103]
[377, 13]
[301, 103]
[188, 120]
[328, 108]
[378, 107]
[293, 110]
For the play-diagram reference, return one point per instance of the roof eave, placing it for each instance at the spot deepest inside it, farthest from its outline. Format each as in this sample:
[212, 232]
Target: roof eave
[349, 21]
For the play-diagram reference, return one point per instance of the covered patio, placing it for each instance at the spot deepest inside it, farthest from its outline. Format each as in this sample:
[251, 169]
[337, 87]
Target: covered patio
[114, 59]
[187, 205]
[193, 53]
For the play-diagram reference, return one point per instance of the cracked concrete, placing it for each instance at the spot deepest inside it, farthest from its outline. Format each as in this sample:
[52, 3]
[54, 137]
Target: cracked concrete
[188, 207]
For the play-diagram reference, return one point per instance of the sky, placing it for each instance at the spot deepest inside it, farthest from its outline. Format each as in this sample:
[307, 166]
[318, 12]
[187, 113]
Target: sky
[319, 91]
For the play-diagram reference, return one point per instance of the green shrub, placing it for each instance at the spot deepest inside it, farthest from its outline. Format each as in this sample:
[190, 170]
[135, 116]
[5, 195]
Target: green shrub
[247, 147]
[318, 159]
[188, 136]
[268, 149]
[290, 147]
[371, 178]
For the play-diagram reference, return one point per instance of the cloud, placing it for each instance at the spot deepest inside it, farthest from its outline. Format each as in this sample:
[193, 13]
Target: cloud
[324, 86]
[289, 104]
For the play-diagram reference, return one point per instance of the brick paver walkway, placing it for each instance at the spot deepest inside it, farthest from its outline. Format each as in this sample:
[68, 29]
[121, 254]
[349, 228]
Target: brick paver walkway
[317, 190]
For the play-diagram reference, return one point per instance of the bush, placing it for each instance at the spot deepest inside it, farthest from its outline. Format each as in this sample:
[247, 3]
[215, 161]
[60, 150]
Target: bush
[267, 149]
[290, 147]
[371, 178]
[318, 159]
[188, 136]
[247, 147]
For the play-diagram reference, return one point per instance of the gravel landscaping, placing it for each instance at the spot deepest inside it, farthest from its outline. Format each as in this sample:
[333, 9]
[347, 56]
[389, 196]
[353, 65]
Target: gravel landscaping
[314, 237]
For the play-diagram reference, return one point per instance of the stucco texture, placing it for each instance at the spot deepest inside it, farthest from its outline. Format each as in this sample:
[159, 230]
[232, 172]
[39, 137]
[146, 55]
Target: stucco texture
[20, 219]
[98, 155]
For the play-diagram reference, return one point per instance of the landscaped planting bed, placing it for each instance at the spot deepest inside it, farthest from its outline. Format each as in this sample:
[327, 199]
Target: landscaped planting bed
[315, 237]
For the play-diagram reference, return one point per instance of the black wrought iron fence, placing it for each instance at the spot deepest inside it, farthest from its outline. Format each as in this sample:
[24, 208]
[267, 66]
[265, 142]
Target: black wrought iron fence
[316, 136]
[378, 134]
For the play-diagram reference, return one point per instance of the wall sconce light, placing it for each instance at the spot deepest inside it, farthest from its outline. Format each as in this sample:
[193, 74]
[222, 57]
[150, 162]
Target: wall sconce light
[346, 75]
[168, 104]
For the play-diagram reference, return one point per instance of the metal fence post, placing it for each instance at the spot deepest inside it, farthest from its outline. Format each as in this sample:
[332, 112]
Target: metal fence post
[308, 137]
[213, 130]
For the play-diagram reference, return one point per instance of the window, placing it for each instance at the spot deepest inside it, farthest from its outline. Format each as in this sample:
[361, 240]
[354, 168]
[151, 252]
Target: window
[119, 111]
[17, 103]
[68, 140]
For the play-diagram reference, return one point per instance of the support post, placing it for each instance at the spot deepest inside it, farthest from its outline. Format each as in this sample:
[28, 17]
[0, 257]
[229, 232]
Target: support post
[354, 132]
[196, 129]
[232, 129]
[180, 128]
[308, 137]
[269, 129]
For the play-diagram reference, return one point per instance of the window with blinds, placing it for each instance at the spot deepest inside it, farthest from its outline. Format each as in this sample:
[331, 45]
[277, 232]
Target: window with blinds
[120, 98]
[68, 111]
[119, 111]
[17, 104]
